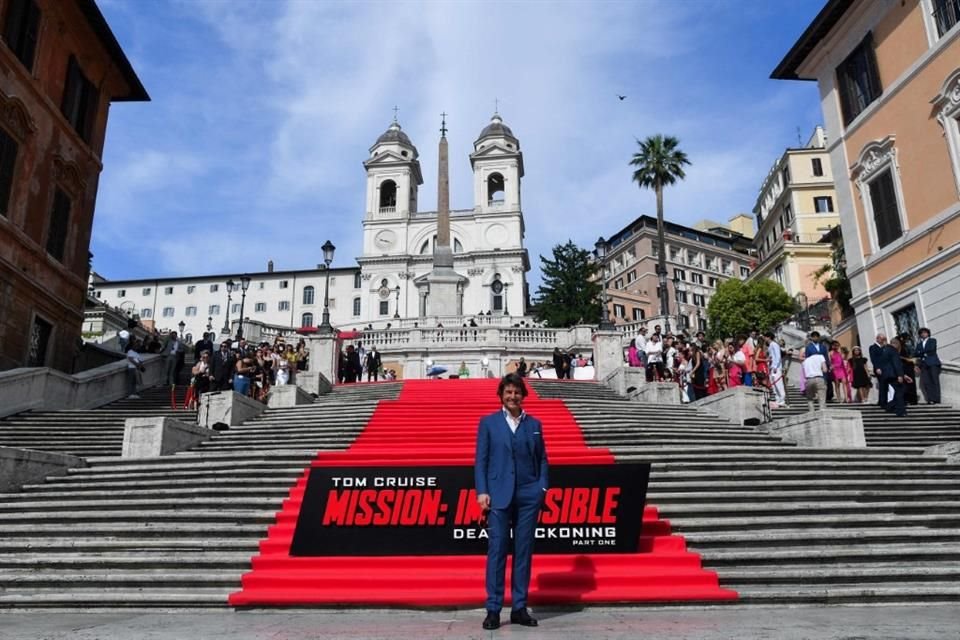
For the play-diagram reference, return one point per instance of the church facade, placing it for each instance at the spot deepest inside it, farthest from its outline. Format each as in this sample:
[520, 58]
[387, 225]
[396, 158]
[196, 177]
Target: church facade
[390, 280]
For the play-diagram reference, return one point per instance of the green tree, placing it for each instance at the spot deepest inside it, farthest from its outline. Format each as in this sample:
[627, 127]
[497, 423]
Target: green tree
[833, 276]
[738, 307]
[659, 164]
[570, 292]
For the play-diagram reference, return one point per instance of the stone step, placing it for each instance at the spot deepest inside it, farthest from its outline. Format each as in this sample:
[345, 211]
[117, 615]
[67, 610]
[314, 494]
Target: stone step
[842, 574]
[822, 541]
[126, 492]
[116, 598]
[870, 497]
[133, 546]
[226, 526]
[194, 516]
[237, 561]
[873, 593]
[180, 505]
[113, 577]
[754, 525]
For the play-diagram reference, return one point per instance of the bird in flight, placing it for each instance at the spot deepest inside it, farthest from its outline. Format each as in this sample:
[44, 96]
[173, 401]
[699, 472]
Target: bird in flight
[621, 97]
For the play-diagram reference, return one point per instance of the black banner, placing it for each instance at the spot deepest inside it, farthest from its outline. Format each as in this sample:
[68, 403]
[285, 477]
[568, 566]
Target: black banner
[414, 511]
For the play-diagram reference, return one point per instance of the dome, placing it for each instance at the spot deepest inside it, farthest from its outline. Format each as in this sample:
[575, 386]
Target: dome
[393, 134]
[496, 129]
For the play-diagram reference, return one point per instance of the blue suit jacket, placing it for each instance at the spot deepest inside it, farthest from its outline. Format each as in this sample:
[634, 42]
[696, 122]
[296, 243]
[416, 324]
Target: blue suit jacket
[928, 353]
[494, 471]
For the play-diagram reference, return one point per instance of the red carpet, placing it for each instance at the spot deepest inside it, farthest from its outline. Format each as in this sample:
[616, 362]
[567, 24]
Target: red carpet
[434, 422]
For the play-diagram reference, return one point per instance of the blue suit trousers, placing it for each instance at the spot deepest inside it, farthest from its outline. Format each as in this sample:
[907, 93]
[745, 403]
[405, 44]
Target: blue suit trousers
[522, 515]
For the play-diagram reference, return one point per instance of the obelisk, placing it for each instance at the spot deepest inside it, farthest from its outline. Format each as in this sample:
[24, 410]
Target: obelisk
[443, 297]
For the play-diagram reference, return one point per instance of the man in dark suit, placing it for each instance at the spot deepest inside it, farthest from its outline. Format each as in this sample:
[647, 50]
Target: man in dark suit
[373, 364]
[895, 377]
[222, 364]
[204, 344]
[511, 480]
[926, 353]
[878, 359]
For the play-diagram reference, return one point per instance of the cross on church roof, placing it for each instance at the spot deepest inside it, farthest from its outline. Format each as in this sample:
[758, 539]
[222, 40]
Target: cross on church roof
[496, 106]
[443, 125]
[396, 110]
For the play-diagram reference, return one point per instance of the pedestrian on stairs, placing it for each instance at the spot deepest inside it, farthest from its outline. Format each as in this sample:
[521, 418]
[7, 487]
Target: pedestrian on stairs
[815, 371]
[172, 350]
[775, 362]
[896, 379]
[877, 362]
[134, 368]
[929, 361]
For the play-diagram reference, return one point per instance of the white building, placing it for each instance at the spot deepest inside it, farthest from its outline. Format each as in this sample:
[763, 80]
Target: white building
[398, 243]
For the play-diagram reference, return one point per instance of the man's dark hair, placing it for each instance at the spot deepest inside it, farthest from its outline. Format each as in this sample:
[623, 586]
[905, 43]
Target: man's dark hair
[512, 379]
[769, 334]
[922, 329]
[814, 334]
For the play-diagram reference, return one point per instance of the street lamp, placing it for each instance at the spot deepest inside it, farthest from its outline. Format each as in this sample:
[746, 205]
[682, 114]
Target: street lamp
[244, 285]
[209, 324]
[328, 250]
[677, 290]
[231, 285]
[396, 314]
[600, 251]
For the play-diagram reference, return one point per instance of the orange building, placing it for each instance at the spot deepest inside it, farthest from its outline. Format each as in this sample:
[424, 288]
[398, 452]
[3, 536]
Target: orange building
[60, 68]
[888, 74]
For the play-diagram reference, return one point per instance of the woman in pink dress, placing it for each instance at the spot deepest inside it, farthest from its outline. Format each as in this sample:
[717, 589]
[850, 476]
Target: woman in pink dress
[735, 362]
[838, 370]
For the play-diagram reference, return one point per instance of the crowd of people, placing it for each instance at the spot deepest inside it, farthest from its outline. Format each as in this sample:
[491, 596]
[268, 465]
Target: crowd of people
[829, 372]
[249, 369]
[356, 363]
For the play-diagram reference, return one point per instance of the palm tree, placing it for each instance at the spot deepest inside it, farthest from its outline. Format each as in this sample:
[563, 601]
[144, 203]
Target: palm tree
[659, 163]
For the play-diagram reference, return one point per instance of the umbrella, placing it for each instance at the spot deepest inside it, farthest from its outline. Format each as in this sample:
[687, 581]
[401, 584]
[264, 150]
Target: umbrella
[436, 371]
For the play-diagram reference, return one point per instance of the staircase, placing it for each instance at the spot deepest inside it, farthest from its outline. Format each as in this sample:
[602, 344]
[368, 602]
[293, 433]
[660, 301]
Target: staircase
[784, 524]
[176, 531]
[925, 425]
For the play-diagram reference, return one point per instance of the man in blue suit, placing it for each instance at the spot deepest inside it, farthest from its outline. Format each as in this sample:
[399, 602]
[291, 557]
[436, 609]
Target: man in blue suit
[926, 353]
[511, 479]
[878, 359]
[893, 372]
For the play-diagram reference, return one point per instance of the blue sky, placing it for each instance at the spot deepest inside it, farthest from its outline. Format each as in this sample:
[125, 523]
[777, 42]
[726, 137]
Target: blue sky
[262, 113]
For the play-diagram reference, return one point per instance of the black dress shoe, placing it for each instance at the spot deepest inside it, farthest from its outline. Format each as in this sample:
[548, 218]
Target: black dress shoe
[523, 618]
[492, 621]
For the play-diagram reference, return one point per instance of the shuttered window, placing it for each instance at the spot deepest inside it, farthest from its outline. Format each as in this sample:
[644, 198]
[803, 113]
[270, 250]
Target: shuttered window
[8, 161]
[20, 29]
[858, 80]
[79, 100]
[59, 223]
[886, 213]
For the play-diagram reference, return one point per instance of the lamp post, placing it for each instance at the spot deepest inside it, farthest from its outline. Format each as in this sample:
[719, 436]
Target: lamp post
[209, 324]
[226, 323]
[677, 290]
[600, 251]
[396, 314]
[328, 250]
[803, 303]
[244, 285]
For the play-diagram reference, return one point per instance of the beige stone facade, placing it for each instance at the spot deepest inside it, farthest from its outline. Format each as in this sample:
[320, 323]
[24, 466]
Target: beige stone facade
[795, 208]
[888, 74]
[697, 259]
[60, 69]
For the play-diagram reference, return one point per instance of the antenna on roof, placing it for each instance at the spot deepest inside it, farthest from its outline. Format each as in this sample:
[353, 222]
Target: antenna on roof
[799, 138]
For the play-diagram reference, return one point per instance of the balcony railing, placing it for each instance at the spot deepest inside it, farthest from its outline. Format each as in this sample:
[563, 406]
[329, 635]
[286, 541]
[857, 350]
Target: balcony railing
[946, 15]
[388, 210]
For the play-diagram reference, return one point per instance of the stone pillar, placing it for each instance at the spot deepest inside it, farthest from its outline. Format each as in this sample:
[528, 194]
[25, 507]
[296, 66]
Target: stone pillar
[661, 393]
[742, 405]
[288, 395]
[227, 408]
[323, 356]
[831, 429]
[25, 466]
[607, 353]
[160, 436]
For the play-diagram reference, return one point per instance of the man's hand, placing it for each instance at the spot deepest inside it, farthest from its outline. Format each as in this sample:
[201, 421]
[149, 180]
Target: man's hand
[484, 501]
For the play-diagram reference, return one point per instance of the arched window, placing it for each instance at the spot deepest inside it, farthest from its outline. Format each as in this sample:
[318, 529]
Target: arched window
[496, 294]
[427, 246]
[388, 196]
[356, 307]
[306, 320]
[495, 188]
[308, 295]
[357, 280]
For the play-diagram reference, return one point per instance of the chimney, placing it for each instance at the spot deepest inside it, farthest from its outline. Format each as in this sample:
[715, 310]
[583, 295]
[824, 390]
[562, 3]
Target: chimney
[269, 266]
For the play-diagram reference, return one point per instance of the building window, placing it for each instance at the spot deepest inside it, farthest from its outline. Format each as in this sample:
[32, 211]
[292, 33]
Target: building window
[496, 294]
[214, 288]
[213, 310]
[744, 272]
[682, 296]
[619, 311]
[785, 175]
[886, 213]
[356, 307]
[20, 30]
[858, 80]
[699, 300]
[778, 273]
[167, 291]
[59, 223]
[680, 274]
[260, 307]
[726, 267]
[659, 292]
[632, 276]
[168, 312]
[308, 293]
[787, 214]
[946, 13]
[191, 288]
[8, 162]
[713, 282]
[947, 104]
[191, 311]
[146, 313]
[145, 291]
[284, 284]
[817, 166]
[261, 285]
[696, 278]
[638, 314]
[357, 280]
[618, 284]
[384, 307]
[306, 320]
[388, 196]
[823, 204]
[235, 308]
[907, 323]
[283, 305]
[701, 324]
[40, 334]
[79, 100]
